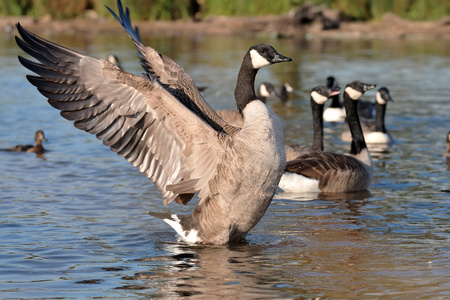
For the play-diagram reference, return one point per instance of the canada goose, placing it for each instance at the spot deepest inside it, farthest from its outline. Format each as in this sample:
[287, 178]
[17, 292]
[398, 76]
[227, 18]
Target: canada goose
[266, 92]
[375, 133]
[37, 148]
[318, 96]
[328, 172]
[335, 112]
[162, 125]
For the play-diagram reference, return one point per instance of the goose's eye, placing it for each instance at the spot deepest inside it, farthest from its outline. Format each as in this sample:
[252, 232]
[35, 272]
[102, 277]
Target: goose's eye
[263, 50]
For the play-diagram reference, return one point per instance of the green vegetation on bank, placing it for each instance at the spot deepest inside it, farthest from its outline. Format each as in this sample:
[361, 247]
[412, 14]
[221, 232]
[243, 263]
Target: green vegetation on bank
[182, 9]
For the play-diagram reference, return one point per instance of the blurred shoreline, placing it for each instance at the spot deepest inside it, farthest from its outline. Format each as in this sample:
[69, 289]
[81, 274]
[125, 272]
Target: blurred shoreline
[390, 27]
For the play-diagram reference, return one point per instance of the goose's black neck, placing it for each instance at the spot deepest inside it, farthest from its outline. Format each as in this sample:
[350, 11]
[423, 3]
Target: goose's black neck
[351, 108]
[380, 110]
[244, 92]
[317, 112]
[335, 101]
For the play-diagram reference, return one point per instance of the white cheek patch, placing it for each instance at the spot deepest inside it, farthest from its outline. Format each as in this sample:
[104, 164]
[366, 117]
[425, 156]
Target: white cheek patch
[354, 94]
[318, 98]
[263, 91]
[258, 61]
[380, 100]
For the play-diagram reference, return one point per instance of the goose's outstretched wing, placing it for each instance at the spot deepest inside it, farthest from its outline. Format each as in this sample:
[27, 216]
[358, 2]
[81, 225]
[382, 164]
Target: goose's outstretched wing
[172, 75]
[134, 115]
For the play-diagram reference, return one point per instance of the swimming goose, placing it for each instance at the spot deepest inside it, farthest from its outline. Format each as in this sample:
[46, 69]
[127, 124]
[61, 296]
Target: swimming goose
[161, 124]
[36, 148]
[318, 96]
[375, 133]
[328, 172]
[335, 112]
[266, 92]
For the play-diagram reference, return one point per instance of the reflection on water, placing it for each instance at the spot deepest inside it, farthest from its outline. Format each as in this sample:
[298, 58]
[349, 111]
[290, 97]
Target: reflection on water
[221, 271]
[75, 224]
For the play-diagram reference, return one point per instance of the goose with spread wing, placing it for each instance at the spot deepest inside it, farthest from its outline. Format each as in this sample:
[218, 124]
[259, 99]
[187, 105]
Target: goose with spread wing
[162, 125]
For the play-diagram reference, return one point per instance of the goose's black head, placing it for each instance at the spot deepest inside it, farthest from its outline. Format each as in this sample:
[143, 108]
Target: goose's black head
[383, 96]
[332, 83]
[263, 55]
[320, 94]
[356, 89]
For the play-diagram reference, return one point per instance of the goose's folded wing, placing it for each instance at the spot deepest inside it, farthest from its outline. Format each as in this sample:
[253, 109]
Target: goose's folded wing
[134, 115]
[324, 166]
[172, 75]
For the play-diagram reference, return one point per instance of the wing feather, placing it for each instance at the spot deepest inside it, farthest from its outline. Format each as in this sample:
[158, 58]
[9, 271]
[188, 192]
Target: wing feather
[169, 73]
[136, 116]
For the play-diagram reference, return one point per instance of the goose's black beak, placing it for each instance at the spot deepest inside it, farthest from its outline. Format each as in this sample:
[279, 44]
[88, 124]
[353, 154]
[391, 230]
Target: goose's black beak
[367, 87]
[280, 58]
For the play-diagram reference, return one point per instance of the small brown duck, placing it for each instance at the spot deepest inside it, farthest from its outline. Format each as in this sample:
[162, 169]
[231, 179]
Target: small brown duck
[37, 148]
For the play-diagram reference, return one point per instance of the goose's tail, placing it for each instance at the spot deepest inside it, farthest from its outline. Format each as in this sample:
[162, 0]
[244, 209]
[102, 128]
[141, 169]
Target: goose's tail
[183, 225]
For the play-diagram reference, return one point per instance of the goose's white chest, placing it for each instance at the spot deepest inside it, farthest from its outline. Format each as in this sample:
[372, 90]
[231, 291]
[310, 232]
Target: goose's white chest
[262, 130]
